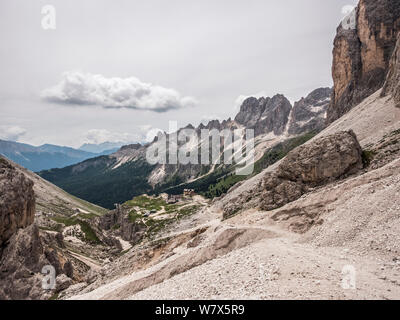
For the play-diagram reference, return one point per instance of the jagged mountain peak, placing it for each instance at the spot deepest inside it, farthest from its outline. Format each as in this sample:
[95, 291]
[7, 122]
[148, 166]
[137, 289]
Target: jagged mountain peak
[309, 113]
[265, 115]
[318, 94]
[134, 146]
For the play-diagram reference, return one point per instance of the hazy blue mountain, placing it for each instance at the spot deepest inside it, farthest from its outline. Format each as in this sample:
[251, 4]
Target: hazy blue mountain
[46, 156]
[99, 180]
[102, 147]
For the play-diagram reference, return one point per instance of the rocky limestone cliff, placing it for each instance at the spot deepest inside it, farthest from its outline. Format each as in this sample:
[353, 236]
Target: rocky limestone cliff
[361, 56]
[21, 265]
[309, 113]
[29, 241]
[17, 201]
[265, 115]
[319, 162]
[127, 230]
[23, 251]
[323, 160]
[392, 84]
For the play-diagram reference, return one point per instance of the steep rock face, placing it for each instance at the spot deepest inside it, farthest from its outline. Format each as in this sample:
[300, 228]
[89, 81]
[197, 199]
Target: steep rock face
[23, 250]
[21, 264]
[309, 113]
[17, 201]
[392, 84]
[278, 191]
[250, 111]
[361, 55]
[317, 163]
[118, 220]
[265, 115]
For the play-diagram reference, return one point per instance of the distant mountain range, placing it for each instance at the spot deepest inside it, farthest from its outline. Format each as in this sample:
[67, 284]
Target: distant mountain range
[116, 178]
[102, 147]
[49, 156]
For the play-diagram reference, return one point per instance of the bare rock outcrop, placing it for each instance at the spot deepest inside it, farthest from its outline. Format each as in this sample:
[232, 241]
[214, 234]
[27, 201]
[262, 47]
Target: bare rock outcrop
[23, 250]
[392, 84]
[309, 113]
[22, 261]
[325, 160]
[21, 264]
[17, 201]
[322, 161]
[118, 221]
[265, 115]
[361, 55]
[278, 192]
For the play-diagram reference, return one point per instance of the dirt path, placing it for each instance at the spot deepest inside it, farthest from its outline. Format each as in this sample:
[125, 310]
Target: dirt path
[279, 269]
[275, 267]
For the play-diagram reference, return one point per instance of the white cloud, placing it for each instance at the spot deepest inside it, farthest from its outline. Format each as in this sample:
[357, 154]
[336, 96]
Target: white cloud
[11, 133]
[79, 88]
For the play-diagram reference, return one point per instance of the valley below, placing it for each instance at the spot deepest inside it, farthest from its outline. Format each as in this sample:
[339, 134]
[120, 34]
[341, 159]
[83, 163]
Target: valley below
[303, 250]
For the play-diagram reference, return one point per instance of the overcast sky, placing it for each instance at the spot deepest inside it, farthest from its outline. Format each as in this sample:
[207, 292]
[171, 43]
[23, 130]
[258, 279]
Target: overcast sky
[112, 70]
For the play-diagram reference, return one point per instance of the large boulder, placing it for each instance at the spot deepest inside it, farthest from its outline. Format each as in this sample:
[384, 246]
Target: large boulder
[323, 160]
[17, 201]
[316, 163]
[277, 192]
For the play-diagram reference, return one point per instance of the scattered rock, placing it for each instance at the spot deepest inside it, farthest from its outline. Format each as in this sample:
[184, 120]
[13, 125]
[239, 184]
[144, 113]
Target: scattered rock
[91, 276]
[63, 282]
[68, 269]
